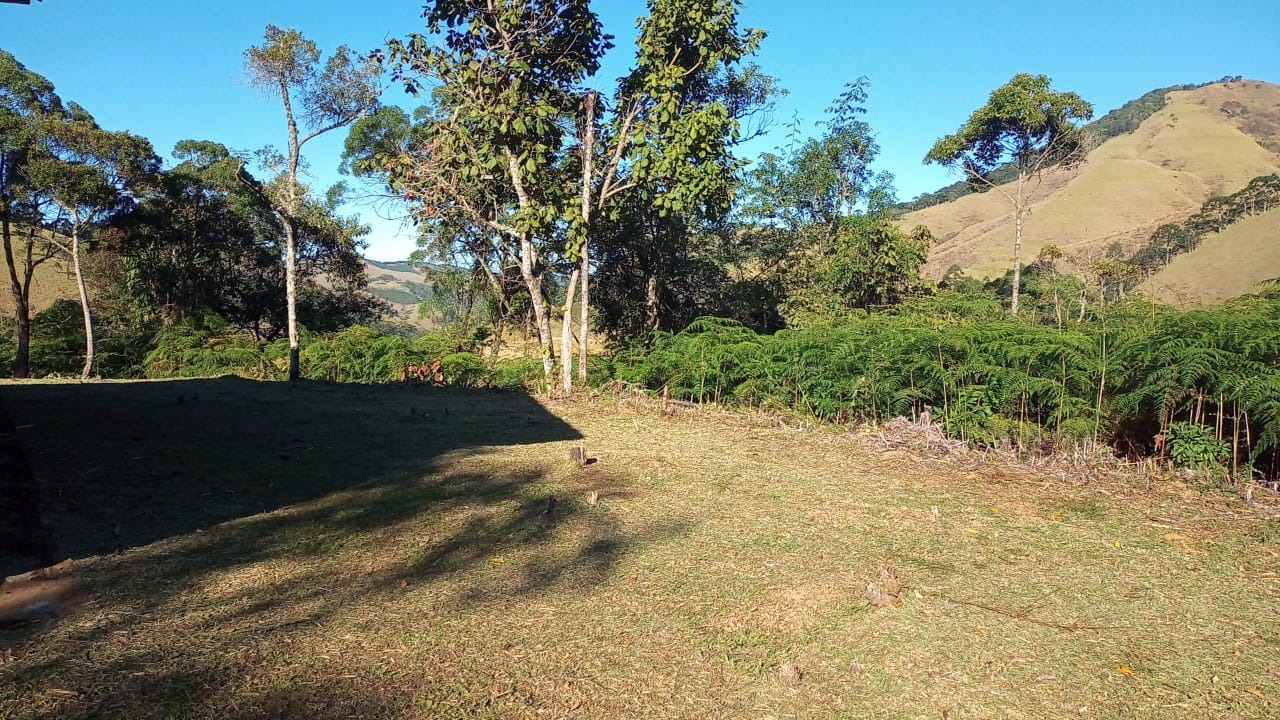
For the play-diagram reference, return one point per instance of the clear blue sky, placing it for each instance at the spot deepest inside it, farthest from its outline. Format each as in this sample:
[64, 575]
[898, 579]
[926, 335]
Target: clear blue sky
[172, 69]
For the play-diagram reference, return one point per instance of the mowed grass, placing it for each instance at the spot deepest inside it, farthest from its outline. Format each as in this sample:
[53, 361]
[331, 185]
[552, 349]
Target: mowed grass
[261, 551]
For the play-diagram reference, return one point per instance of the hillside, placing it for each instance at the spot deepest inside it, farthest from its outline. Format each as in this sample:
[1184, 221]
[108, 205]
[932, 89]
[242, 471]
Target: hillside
[1225, 265]
[398, 283]
[53, 281]
[401, 285]
[1204, 142]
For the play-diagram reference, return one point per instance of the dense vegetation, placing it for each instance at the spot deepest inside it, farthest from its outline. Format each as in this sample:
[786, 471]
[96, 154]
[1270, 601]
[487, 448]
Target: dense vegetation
[1204, 384]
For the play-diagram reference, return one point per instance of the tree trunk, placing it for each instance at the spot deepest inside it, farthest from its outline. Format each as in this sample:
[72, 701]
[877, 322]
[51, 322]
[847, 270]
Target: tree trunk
[566, 337]
[584, 326]
[84, 304]
[21, 309]
[291, 296]
[533, 281]
[1017, 248]
[588, 176]
[653, 312]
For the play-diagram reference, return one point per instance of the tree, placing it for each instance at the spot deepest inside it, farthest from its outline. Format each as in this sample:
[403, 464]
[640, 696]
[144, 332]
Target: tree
[516, 145]
[1027, 125]
[206, 240]
[815, 216]
[489, 152]
[328, 96]
[668, 134]
[88, 175]
[25, 98]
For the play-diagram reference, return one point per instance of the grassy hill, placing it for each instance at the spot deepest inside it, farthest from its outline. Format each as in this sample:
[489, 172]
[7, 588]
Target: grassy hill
[1204, 142]
[1225, 265]
[53, 280]
[399, 283]
[324, 551]
[403, 286]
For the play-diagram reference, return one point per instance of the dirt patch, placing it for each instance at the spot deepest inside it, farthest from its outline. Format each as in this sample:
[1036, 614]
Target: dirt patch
[36, 600]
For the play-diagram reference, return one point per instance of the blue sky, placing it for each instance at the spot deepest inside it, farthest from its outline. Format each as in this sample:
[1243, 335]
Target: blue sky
[171, 70]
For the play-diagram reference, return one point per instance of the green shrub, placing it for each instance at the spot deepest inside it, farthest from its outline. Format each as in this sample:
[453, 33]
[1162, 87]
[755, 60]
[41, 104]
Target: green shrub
[1196, 447]
[519, 373]
[464, 370]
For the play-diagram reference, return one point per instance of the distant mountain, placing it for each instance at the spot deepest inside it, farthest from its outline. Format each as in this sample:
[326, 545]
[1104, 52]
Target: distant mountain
[403, 285]
[1201, 143]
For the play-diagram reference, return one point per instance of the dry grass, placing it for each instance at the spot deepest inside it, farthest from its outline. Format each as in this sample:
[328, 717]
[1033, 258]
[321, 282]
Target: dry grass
[1226, 265]
[1162, 172]
[53, 280]
[397, 567]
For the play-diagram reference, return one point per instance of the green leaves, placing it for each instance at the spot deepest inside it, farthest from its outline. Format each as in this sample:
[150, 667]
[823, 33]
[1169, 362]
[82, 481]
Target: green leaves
[1022, 119]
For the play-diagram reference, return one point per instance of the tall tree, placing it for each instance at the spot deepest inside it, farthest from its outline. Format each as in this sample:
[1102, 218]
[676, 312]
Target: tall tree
[88, 175]
[814, 218]
[490, 149]
[206, 240]
[25, 98]
[667, 135]
[1026, 124]
[318, 97]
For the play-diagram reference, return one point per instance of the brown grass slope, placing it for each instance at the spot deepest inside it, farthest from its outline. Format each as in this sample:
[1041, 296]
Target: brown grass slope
[1205, 142]
[1232, 263]
[270, 551]
[53, 280]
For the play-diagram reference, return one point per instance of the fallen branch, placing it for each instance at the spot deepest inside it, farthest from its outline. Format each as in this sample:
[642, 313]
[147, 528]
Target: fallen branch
[1026, 615]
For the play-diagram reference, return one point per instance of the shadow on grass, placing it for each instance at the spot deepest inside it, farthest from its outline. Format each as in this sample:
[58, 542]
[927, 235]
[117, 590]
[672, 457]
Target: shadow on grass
[268, 511]
[126, 464]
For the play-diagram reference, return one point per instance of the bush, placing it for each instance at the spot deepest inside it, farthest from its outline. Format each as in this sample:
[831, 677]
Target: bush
[520, 373]
[206, 346]
[464, 370]
[1196, 447]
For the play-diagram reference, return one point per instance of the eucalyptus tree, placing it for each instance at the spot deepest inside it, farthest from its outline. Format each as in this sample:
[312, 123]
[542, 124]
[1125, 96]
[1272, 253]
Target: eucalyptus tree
[88, 175]
[25, 98]
[318, 97]
[1027, 125]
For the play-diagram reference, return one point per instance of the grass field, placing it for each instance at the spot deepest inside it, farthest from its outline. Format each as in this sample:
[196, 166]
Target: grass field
[253, 550]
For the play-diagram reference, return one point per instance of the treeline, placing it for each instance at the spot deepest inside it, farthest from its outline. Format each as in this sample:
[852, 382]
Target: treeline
[1172, 239]
[148, 247]
[1201, 387]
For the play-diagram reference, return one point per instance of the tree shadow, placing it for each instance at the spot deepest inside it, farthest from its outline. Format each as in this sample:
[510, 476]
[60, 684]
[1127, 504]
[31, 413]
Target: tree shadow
[125, 464]
[176, 489]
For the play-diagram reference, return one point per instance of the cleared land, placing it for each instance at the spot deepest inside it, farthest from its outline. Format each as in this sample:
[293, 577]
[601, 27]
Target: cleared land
[251, 550]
